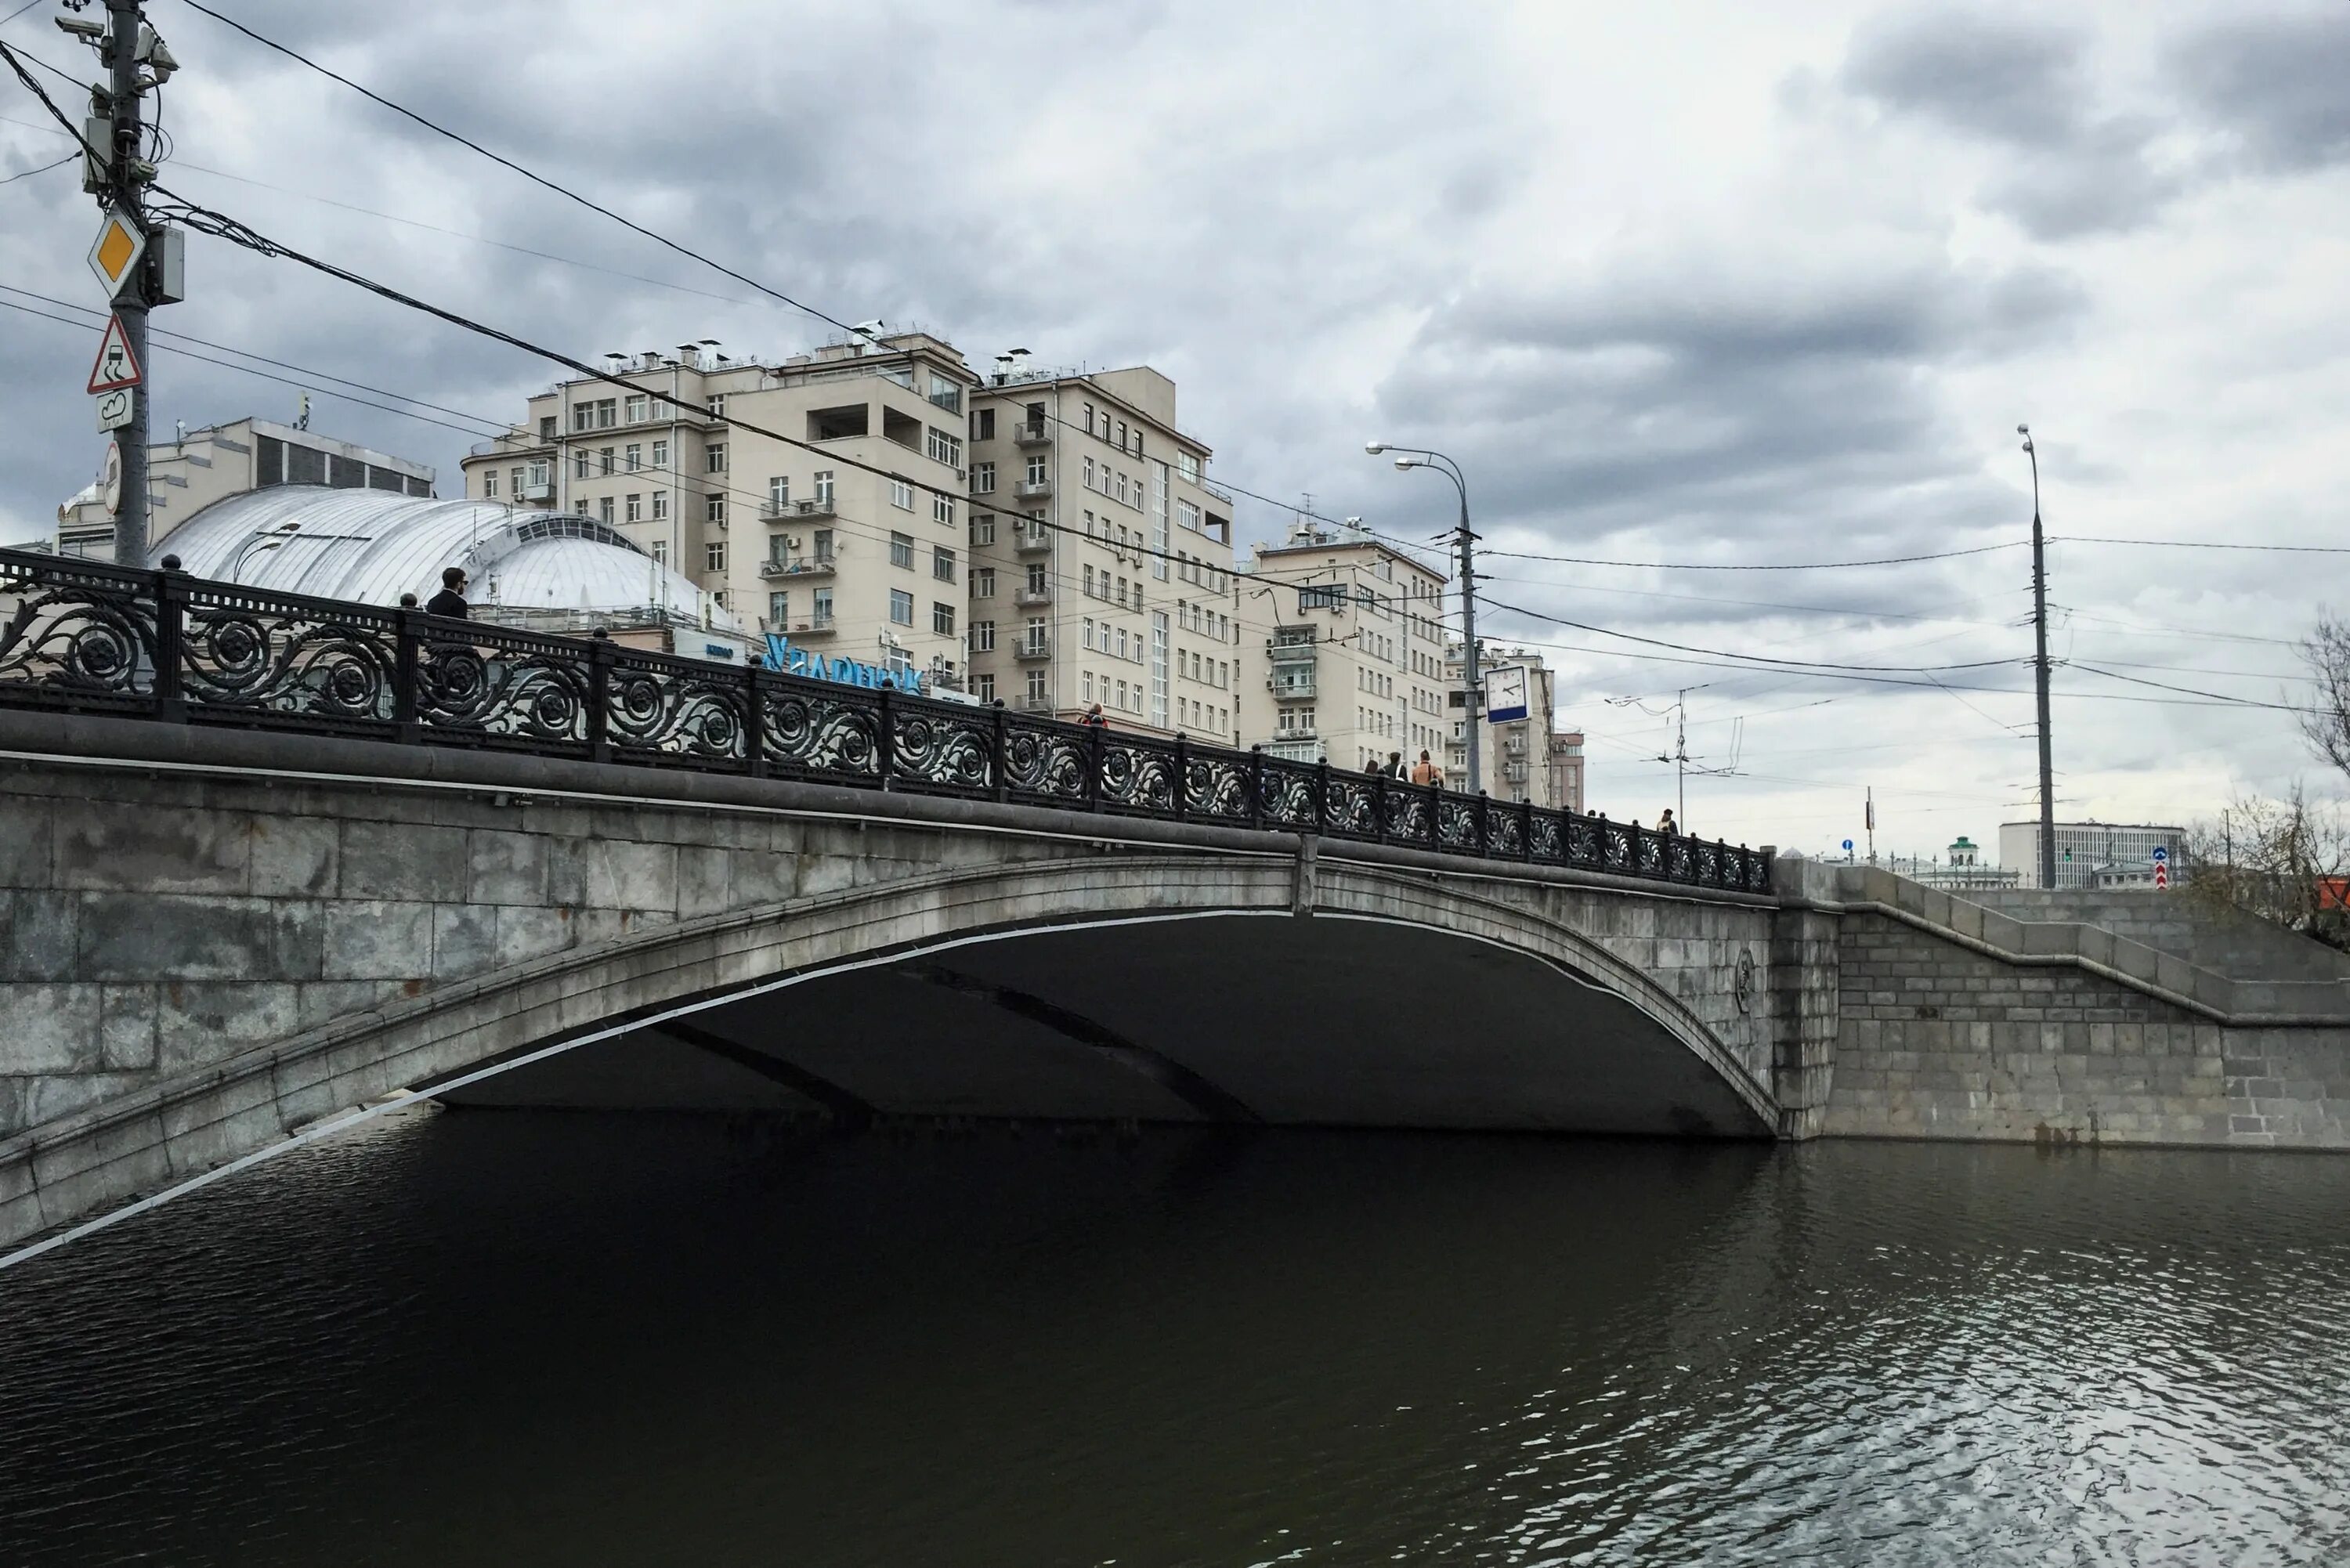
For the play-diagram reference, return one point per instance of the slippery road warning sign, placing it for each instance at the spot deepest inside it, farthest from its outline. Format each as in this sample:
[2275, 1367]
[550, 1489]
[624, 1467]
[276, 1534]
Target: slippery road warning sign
[115, 370]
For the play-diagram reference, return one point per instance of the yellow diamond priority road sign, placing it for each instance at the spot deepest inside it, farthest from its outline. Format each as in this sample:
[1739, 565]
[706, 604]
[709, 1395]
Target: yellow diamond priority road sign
[114, 256]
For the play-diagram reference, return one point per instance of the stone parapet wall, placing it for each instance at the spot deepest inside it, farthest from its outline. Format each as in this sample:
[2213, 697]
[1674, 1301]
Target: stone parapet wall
[2229, 942]
[1936, 1039]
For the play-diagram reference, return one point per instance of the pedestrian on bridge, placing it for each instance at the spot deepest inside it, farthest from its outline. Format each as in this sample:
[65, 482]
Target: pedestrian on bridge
[1666, 826]
[1426, 771]
[451, 600]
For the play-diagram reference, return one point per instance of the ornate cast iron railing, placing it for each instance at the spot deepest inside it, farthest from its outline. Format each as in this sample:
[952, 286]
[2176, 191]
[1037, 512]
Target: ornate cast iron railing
[83, 637]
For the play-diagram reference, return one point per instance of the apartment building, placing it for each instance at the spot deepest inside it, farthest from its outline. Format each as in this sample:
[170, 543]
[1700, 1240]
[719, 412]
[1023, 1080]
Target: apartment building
[1519, 759]
[196, 468]
[846, 539]
[1354, 647]
[1101, 558]
[2095, 853]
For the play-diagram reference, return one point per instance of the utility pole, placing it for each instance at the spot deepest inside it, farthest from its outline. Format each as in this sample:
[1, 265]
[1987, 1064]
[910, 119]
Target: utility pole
[1476, 688]
[1679, 759]
[2039, 670]
[125, 190]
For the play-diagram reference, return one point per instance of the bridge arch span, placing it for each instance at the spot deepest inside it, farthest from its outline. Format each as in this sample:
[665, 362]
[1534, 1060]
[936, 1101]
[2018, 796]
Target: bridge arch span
[1109, 984]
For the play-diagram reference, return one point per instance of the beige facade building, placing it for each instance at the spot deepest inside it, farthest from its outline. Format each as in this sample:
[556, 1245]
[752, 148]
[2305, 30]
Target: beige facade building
[1522, 759]
[1101, 558]
[1353, 651]
[196, 468]
[804, 541]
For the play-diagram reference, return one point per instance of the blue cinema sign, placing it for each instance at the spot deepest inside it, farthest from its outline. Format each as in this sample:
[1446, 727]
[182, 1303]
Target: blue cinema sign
[782, 656]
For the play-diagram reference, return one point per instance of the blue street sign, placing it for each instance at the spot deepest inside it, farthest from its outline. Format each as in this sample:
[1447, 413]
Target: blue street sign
[2161, 854]
[1847, 843]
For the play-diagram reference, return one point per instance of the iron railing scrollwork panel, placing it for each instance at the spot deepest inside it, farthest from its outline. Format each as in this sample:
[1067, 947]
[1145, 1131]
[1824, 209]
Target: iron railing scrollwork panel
[76, 636]
[89, 637]
[664, 710]
[941, 749]
[1138, 775]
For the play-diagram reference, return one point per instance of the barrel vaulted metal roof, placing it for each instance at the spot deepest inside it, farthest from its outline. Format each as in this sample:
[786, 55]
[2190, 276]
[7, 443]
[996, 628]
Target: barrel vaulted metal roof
[372, 546]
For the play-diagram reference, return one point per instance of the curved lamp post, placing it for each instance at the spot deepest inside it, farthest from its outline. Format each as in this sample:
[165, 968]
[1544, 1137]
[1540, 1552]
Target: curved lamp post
[1420, 457]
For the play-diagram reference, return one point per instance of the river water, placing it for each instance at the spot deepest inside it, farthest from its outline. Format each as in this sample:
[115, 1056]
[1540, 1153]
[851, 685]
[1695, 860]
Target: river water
[504, 1338]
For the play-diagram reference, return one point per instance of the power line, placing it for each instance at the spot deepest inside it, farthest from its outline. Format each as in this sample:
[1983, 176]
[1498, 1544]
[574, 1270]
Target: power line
[28, 173]
[531, 175]
[1751, 658]
[1752, 567]
[2192, 691]
[2199, 544]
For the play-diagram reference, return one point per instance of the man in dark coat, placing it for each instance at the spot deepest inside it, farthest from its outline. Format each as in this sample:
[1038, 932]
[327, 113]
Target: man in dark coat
[451, 600]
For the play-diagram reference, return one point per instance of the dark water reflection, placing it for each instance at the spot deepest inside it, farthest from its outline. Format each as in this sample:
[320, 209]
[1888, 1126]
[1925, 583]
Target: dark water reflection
[498, 1339]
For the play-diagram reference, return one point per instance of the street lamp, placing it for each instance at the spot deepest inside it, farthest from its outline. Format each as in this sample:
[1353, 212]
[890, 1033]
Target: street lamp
[2040, 671]
[1420, 457]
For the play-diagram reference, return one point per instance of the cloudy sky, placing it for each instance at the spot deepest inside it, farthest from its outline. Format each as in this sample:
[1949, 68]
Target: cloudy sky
[1687, 282]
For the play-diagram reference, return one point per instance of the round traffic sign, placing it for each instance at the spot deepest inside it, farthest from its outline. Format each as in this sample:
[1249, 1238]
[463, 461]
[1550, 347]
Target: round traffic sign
[1847, 843]
[111, 487]
[2161, 854]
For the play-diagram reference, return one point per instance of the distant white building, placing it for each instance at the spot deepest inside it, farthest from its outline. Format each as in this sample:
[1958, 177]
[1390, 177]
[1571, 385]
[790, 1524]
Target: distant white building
[554, 571]
[1963, 871]
[2095, 853]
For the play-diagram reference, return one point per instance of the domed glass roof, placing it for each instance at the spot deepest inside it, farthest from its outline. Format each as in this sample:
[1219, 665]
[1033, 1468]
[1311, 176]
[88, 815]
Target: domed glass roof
[372, 546]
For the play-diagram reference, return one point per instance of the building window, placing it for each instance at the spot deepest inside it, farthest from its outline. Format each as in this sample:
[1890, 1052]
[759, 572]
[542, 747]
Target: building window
[661, 504]
[985, 688]
[713, 556]
[546, 428]
[636, 410]
[1089, 471]
[821, 611]
[901, 550]
[941, 447]
[580, 461]
[945, 393]
[634, 456]
[661, 551]
[713, 509]
[942, 510]
[779, 610]
[824, 487]
[718, 405]
[901, 495]
[983, 477]
[1330, 598]
[583, 418]
[636, 513]
[490, 485]
[607, 413]
[1190, 462]
[604, 461]
[982, 424]
[983, 637]
[824, 543]
[1036, 686]
[604, 510]
[1187, 516]
[901, 607]
[661, 454]
[1036, 633]
[942, 618]
[983, 582]
[943, 564]
[713, 458]
[779, 494]
[1036, 577]
[1089, 419]
[982, 528]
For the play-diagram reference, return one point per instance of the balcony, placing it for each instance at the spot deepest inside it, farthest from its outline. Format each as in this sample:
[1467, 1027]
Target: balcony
[1033, 432]
[1301, 652]
[1291, 689]
[1032, 702]
[1032, 542]
[1033, 599]
[1299, 732]
[1033, 489]
[789, 511]
[1030, 652]
[806, 567]
[822, 626]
